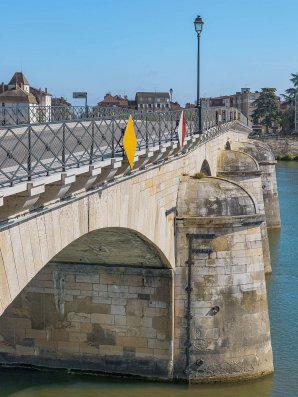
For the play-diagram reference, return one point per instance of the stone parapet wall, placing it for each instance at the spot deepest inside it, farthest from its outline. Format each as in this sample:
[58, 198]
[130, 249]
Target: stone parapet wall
[91, 317]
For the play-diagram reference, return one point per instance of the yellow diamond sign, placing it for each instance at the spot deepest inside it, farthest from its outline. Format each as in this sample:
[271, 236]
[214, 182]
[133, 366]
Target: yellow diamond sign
[130, 142]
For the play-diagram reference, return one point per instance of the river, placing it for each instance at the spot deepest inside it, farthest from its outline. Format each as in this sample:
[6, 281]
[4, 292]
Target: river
[282, 287]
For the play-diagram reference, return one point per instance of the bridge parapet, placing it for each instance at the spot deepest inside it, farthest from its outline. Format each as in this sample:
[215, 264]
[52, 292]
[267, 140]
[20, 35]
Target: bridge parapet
[34, 151]
[107, 164]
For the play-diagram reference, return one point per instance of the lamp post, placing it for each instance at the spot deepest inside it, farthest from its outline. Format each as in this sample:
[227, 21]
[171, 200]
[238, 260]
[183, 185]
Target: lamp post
[199, 27]
[171, 92]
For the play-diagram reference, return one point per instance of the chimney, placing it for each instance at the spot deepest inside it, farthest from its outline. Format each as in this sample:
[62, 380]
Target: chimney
[2, 87]
[46, 90]
[125, 97]
[40, 90]
[22, 85]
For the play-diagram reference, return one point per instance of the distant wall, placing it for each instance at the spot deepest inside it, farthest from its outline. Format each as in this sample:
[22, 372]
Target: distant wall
[282, 146]
[92, 317]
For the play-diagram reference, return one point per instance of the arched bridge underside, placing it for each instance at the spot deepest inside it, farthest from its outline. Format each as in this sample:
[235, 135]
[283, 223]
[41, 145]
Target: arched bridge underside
[99, 279]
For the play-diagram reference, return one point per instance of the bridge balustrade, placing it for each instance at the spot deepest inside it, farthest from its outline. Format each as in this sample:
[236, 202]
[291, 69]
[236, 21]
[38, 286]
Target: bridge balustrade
[36, 150]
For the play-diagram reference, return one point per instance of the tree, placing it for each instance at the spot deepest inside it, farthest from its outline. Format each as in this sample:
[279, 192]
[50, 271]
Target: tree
[288, 120]
[291, 92]
[267, 110]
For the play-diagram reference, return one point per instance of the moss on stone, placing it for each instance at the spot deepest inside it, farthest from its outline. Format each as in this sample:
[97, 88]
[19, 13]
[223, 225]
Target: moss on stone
[199, 175]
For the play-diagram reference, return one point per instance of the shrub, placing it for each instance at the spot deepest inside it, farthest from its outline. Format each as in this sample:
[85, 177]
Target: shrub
[279, 158]
[288, 157]
[199, 175]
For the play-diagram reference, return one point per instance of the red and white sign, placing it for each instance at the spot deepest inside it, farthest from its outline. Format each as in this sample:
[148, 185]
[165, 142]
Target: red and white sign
[181, 130]
[219, 118]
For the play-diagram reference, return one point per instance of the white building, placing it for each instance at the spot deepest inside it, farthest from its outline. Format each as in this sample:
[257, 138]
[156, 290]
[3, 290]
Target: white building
[20, 103]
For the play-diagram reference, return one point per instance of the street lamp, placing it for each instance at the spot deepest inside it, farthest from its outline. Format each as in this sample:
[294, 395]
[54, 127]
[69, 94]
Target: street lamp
[171, 92]
[199, 27]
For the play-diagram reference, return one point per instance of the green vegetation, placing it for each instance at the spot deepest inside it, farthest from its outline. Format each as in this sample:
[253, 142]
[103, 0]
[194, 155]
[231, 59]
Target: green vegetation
[288, 157]
[289, 97]
[267, 109]
[199, 175]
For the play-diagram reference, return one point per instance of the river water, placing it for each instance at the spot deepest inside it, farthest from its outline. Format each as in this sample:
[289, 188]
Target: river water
[282, 287]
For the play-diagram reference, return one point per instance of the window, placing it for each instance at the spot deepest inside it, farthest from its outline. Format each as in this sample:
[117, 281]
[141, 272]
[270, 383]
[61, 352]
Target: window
[252, 97]
[114, 106]
[158, 105]
[167, 105]
[251, 113]
[141, 106]
[157, 99]
[149, 99]
[141, 98]
[251, 105]
[167, 100]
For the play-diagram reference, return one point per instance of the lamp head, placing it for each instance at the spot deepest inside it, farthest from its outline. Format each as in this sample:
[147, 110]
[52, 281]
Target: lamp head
[198, 24]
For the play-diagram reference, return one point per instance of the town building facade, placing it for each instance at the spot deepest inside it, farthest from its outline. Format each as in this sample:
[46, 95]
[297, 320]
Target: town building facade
[20, 103]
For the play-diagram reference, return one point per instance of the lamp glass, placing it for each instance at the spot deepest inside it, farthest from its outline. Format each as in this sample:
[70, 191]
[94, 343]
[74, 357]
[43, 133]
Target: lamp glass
[199, 27]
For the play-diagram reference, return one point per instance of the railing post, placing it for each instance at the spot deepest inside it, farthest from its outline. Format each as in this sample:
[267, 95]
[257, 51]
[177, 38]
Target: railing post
[159, 132]
[63, 147]
[147, 132]
[92, 142]
[113, 138]
[29, 169]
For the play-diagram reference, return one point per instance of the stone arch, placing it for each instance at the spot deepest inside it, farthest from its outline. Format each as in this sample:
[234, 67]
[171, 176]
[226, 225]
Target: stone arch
[113, 246]
[104, 300]
[206, 168]
[228, 146]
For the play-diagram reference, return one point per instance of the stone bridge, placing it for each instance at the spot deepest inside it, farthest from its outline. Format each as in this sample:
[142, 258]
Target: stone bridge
[159, 272]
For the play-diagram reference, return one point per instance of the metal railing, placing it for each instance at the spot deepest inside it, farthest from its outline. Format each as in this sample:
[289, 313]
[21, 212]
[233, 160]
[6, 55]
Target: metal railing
[33, 114]
[29, 152]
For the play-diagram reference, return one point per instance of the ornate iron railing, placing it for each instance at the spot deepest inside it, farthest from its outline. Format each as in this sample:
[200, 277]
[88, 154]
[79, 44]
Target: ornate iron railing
[33, 114]
[29, 152]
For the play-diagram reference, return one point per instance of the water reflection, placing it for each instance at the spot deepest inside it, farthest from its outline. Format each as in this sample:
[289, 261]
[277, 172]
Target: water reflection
[41, 385]
[282, 298]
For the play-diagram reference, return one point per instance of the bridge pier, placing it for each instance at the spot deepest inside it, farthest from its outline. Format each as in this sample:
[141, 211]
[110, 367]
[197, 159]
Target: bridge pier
[244, 169]
[266, 160]
[222, 327]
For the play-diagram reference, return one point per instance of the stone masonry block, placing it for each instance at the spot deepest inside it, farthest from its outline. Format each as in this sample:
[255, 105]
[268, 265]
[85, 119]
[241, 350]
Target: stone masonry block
[107, 319]
[115, 309]
[131, 341]
[87, 278]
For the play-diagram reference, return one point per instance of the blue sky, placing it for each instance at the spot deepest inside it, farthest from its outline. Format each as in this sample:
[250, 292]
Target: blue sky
[136, 45]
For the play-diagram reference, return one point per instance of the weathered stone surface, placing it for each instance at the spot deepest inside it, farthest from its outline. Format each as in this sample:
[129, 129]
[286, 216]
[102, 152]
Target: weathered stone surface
[266, 160]
[244, 169]
[82, 333]
[229, 331]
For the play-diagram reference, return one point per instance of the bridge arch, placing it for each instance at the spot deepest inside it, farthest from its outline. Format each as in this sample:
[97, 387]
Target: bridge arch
[205, 168]
[105, 300]
[113, 246]
[228, 146]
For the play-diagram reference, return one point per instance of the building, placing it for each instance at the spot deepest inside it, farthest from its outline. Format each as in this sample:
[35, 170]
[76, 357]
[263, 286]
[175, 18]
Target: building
[153, 101]
[114, 101]
[242, 100]
[189, 105]
[175, 106]
[144, 102]
[60, 102]
[23, 103]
